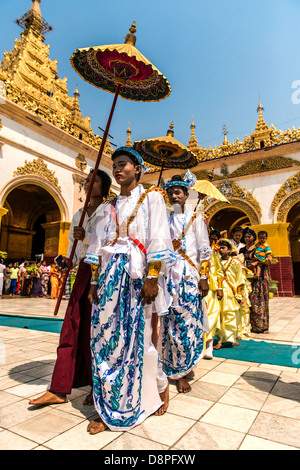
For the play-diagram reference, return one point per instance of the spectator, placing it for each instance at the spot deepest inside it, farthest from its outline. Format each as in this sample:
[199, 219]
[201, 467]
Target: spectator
[2, 270]
[259, 295]
[14, 271]
[45, 276]
[37, 285]
[237, 234]
[7, 274]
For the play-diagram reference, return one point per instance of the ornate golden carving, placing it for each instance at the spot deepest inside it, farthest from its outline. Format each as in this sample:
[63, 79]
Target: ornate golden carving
[244, 206]
[287, 204]
[237, 196]
[38, 167]
[263, 136]
[31, 80]
[259, 166]
[80, 162]
[290, 185]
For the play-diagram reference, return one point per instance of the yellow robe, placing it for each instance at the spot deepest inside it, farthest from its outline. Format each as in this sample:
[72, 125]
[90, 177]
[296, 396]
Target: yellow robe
[244, 312]
[211, 300]
[232, 283]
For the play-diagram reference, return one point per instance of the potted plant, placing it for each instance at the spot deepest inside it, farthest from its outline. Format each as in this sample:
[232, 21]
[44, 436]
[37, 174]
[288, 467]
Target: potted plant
[272, 288]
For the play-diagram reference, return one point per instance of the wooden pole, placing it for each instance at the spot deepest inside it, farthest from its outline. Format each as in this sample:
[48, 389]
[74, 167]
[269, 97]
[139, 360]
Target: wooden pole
[160, 174]
[88, 196]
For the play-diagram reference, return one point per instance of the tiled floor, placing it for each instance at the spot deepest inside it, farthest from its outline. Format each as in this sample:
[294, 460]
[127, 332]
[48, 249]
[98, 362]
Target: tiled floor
[232, 405]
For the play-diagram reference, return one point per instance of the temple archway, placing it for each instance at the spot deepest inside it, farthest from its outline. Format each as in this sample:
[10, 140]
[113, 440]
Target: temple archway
[35, 221]
[293, 218]
[224, 216]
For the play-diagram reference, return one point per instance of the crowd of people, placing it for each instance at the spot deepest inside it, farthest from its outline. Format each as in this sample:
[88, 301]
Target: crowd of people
[155, 292]
[28, 279]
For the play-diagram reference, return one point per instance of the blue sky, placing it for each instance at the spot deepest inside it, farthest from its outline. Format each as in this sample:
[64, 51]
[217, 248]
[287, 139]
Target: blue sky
[217, 56]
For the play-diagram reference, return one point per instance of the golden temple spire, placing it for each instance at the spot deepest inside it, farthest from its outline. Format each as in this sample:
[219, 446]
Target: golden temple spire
[193, 143]
[33, 20]
[261, 124]
[128, 140]
[35, 7]
[261, 135]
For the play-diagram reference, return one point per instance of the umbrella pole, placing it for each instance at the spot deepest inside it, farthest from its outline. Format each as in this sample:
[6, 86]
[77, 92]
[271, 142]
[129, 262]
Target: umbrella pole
[88, 196]
[160, 174]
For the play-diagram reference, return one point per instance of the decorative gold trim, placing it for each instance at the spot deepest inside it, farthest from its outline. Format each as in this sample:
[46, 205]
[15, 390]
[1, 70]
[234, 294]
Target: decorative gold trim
[38, 167]
[244, 206]
[80, 162]
[232, 190]
[286, 188]
[285, 206]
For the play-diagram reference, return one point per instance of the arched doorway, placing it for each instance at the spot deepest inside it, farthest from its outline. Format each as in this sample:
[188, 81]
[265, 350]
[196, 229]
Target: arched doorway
[31, 208]
[224, 216]
[227, 219]
[293, 217]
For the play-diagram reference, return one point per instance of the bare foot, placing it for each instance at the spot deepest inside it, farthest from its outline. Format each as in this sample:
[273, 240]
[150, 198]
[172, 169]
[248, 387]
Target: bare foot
[89, 400]
[96, 426]
[218, 346]
[236, 343]
[164, 396]
[266, 332]
[208, 357]
[49, 398]
[183, 386]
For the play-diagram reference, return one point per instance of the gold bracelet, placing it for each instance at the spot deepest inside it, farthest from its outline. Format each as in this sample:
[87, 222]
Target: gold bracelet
[95, 272]
[154, 268]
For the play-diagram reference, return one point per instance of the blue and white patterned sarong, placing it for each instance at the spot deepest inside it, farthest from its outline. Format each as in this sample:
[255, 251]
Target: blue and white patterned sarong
[182, 328]
[121, 349]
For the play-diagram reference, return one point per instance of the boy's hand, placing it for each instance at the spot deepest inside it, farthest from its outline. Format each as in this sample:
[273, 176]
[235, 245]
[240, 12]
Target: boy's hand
[203, 287]
[92, 295]
[149, 291]
[220, 294]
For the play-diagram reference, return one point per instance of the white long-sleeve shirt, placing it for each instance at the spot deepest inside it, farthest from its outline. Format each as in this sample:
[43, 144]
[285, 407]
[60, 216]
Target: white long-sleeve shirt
[88, 225]
[149, 226]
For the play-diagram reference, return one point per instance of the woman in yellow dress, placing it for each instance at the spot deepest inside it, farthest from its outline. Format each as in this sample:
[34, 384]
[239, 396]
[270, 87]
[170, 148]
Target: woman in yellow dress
[54, 281]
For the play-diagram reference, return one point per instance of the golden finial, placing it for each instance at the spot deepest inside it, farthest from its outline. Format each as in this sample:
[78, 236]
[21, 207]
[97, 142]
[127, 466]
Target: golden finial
[171, 129]
[130, 37]
[128, 140]
[225, 132]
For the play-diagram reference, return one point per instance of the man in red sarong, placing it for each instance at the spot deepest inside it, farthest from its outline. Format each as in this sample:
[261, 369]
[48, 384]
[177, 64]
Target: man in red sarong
[73, 367]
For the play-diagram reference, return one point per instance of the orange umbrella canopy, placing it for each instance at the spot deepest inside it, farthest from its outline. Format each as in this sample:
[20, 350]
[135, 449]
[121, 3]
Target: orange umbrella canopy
[106, 66]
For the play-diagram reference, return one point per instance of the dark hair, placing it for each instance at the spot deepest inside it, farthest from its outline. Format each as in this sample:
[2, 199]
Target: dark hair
[263, 232]
[214, 232]
[237, 228]
[106, 181]
[134, 160]
[179, 179]
[225, 242]
[248, 231]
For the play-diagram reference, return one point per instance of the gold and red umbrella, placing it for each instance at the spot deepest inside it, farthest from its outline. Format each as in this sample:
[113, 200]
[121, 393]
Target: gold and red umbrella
[122, 70]
[166, 152]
